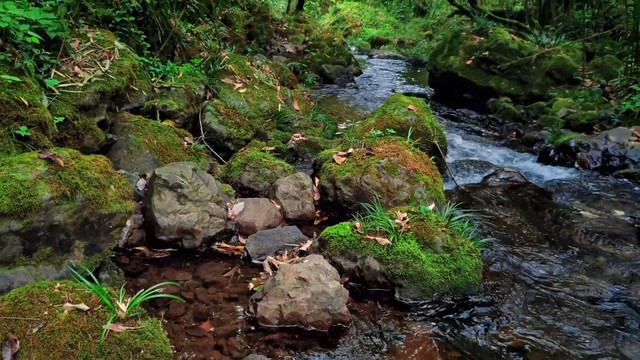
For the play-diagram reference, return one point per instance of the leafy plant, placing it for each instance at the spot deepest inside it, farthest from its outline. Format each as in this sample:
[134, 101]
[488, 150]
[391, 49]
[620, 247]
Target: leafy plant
[118, 304]
[10, 78]
[464, 221]
[23, 131]
[555, 131]
[482, 23]
[375, 133]
[376, 218]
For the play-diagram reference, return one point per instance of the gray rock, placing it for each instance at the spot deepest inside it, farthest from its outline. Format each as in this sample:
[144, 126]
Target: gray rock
[386, 54]
[186, 206]
[337, 74]
[294, 193]
[258, 214]
[128, 154]
[362, 269]
[268, 242]
[307, 294]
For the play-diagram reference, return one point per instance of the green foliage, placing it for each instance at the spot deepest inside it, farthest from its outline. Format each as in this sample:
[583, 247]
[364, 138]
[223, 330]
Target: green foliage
[464, 221]
[377, 219]
[23, 131]
[119, 306]
[31, 29]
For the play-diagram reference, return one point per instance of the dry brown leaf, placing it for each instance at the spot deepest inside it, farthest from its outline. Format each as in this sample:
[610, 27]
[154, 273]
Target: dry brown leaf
[357, 227]
[268, 148]
[275, 203]
[306, 245]
[267, 267]
[382, 241]
[117, 328]
[237, 86]
[340, 159]
[316, 192]
[229, 249]
[295, 105]
[68, 307]
[319, 218]
[468, 62]
[23, 100]
[235, 209]
[242, 239]
[206, 326]
[243, 90]
[10, 347]
[474, 39]
[412, 108]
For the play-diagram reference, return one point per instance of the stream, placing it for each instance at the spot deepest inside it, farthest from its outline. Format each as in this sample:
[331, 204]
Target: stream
[562, 274]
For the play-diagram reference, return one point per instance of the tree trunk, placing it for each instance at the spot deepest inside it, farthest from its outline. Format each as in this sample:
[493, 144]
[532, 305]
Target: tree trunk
[300, 6]
[289, 8]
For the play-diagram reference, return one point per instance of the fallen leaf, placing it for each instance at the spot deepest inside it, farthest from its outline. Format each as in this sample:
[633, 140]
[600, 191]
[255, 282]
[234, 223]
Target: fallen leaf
[242, 239]
[275, 203]
[340, 159]
[36, 328]
[468, 62]
[382, 241]
[206, 326]
[231, 272]
[117, 328]
[412, 108]
[432, 206]
[295, 105]
[306, 246]
[319, 218]
[23, 100]
[68, 307]
[474, 39]
[357, 227]
[297, 137]
[243, 90]
[267, 267]
[10, 347]
[316, 192]
[235, 210]
[188, 140]
[268, 148]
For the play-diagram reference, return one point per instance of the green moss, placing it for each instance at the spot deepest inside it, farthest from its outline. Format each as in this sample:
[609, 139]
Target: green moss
[511, 65]
[403, 114]
[536, 110]
[428, 260]
[264, 167]
[164, 141]
[25, 180]
[75, 335]
[390, 153]
[605, 68]
[21, 104]
[504, 109]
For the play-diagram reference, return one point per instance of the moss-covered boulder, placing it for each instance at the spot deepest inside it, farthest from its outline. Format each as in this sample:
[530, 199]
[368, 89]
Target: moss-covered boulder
[503, 109]
[118, 82]
[179, 99]
[605, 68]
[431, 259]
[403, 114]
[143, 145]
[51, 213]
[75, 335]
[252, 172]
[387, 168]
[501, 62]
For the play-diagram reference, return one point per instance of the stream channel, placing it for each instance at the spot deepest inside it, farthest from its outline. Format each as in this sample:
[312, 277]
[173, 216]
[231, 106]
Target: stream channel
[561, 262]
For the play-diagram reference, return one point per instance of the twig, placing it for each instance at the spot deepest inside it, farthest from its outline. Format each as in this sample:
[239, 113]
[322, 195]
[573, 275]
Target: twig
[202, 136]
[447, 165]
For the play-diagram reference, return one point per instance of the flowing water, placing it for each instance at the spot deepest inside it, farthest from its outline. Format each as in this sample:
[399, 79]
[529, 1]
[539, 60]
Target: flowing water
[562, 276]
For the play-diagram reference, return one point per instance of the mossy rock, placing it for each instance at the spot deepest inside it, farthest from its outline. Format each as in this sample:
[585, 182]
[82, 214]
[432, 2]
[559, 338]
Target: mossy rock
[403, 114]
[85, 109]
[22, 103]
[504, 62]
[252, 172]
[428, 261]
[144, 145]
[605, 68]
[179, 99]
[583, 121]
[536, 110]
[51, 214]
[504, 110]
[387, 168]
[75, 335]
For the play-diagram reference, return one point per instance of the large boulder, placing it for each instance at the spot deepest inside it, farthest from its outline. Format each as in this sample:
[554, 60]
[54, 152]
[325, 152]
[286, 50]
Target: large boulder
[269, 242]
[294, 194]
[142, 145]
[257, 214]
[185, 205]
[252, 172]
[51, 213]
[307, 294]
[404, 115]
[338, 74]
[389, 169]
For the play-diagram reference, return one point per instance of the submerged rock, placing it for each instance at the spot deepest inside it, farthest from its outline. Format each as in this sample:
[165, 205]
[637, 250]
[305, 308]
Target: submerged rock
[338, 74]
[257, 214]
[294, 194]
[307, 295]
[185, 205]
[388, 170]
[269, 242]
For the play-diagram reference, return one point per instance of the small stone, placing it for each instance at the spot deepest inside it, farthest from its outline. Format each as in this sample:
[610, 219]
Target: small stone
[257, 214]
[176, 309]
[268, 242]
[294, 193]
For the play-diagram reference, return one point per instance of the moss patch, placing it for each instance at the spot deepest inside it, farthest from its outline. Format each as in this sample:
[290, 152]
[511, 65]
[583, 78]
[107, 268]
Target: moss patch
[75, 335]
[430, 259]
[25, 180]
[253, 167]
[403, 114]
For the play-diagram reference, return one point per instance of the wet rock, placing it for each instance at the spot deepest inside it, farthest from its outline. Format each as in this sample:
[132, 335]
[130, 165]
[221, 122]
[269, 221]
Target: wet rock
[472, 171]
[258, 214]
[386, 54]
[176, 275]
[208, 272]
[268, 242]
[307, 294]
[294, 194]
[176, 309]
[629, 174]
[255, 357]
[337, 74]
[362, 269]
[186, 206]
[252, 172]
[418, 61]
